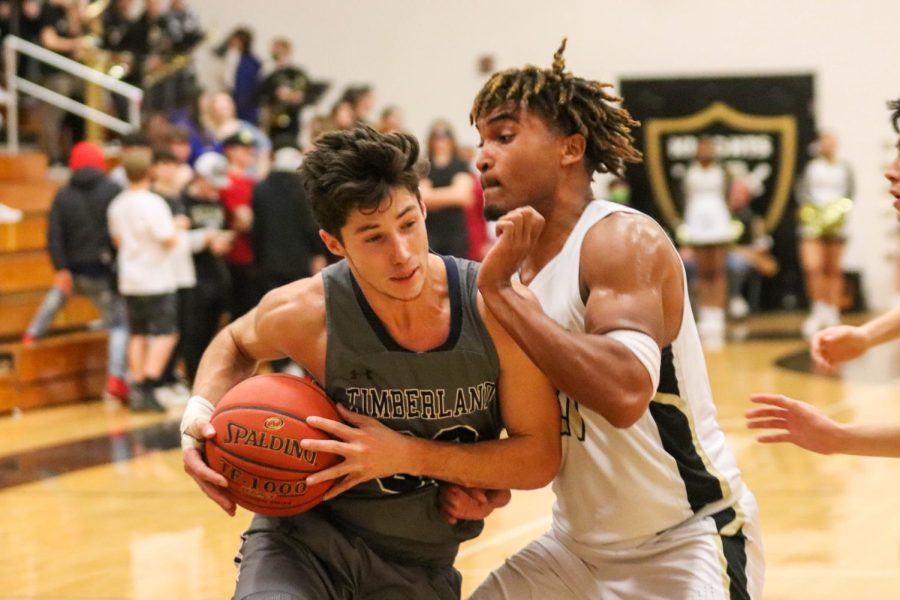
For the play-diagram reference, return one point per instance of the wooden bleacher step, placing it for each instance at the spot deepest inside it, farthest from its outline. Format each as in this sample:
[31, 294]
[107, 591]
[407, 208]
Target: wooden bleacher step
[52, 371]
[23, 166]
[18, 309]
[70, 364]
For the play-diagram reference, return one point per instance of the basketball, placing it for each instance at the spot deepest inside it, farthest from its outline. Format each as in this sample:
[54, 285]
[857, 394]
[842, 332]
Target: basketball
[259, 425]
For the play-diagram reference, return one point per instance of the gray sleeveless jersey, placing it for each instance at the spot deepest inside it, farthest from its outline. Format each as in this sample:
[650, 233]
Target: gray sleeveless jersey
[448, 393]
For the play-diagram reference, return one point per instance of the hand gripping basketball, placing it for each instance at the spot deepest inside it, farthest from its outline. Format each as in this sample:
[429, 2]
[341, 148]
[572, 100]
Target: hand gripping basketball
[260, 424]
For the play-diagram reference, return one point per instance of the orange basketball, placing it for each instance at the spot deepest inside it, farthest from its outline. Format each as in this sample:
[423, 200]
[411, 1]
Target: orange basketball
[259, 424]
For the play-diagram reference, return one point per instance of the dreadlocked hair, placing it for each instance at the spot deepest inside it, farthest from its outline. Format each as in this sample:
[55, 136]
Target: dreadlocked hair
[894, 105]
[357, 169]
[569, 104]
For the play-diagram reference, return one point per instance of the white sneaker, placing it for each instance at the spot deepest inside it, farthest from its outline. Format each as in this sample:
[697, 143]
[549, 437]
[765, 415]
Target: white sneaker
[8, 214]
[175, 395]
[711, 327]
[810, 326]
[831, 317]
[738, 307]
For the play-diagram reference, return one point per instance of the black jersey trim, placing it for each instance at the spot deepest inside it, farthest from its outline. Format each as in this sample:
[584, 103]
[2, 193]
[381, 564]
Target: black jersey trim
[390, 344]
[734, 547]
[701, 486]
[668, 381]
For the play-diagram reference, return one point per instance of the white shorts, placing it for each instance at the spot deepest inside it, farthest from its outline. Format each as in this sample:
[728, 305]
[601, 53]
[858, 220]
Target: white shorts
[690, 562]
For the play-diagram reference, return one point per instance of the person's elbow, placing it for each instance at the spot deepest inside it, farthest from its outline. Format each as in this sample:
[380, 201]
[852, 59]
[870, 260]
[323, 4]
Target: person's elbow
[170, 242]
[633, 405]
[546, 465]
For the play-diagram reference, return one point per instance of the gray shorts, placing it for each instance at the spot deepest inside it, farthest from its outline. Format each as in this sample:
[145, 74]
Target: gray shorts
[307, 558]
[152, 315]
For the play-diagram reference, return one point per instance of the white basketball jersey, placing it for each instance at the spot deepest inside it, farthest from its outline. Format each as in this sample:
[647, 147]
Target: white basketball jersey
[619, 487]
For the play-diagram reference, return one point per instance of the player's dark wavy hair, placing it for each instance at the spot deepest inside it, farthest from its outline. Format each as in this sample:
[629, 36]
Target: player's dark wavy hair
[357, 168]
[894, 106]
[568, 104]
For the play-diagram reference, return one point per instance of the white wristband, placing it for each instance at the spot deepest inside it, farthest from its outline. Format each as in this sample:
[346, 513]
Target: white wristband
[645, 350]
[197, 407]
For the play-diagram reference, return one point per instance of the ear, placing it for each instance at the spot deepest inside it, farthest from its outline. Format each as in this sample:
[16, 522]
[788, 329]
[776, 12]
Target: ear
[422, 205]
[573, 149]
[333, 244]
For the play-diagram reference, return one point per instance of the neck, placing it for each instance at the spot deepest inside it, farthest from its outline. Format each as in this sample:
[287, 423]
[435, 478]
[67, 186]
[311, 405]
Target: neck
[136, 186]
[560, 213]
[421, 323]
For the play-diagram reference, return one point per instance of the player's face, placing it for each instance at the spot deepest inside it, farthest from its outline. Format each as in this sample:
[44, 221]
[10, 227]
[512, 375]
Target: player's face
[893, 175]
[387, 248]
[519, 160]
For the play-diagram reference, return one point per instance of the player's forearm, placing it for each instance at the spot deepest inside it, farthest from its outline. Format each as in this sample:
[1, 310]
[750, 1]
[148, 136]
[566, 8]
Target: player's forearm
[869, 440]
[223, 366]
[883, 329]
[523, 463]
[594, 370]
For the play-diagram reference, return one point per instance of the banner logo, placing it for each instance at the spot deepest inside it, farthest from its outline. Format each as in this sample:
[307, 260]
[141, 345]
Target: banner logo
[762, 149]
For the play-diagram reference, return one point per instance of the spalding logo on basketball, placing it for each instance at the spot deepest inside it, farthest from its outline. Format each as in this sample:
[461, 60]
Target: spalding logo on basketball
[259, 425]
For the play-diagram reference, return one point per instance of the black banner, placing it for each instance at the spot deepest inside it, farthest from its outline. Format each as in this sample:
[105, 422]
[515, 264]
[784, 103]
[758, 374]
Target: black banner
[761, 129]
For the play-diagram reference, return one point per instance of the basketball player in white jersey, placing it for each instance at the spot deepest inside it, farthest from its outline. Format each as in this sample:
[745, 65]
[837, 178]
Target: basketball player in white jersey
[806, 426]
[650, 503]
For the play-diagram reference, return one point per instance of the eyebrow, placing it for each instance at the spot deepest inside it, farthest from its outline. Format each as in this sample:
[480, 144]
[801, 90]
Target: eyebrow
[370, 226]
[504, 116]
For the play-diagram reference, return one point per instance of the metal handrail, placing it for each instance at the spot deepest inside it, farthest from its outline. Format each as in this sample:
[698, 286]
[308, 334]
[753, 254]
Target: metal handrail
[14, 84]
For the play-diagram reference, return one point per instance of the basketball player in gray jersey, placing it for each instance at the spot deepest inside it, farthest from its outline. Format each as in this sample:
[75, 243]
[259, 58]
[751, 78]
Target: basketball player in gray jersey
[423, 376]
[650, 503]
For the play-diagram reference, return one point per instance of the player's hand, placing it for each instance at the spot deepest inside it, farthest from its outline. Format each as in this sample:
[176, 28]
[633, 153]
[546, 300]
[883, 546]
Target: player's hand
[462, 503]
[213, 484]
[370, 450]
[795, 422]
[836, 345]
[517, 231]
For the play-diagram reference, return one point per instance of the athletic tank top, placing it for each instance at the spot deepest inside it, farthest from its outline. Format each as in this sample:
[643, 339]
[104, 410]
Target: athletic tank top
[704, 184]
[827, 181]
[448, 393]
[619, 487]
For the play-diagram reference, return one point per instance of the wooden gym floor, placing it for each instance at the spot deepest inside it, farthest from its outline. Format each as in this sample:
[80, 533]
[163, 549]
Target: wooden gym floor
[94, 502]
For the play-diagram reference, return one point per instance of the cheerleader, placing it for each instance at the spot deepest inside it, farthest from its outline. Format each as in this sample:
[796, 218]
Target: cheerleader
[825, 193]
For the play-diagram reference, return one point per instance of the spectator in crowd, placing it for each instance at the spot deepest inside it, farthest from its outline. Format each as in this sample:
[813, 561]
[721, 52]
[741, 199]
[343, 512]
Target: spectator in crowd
[242, 71]
[143, 229]
[211, 241]
[342, 116]
[237, 199]
[183, 28]
[178, 143]
[447, 192]
[166, 183]
[362, 101]
[62, 31]
[81, 251]
[391, 120]
[282, 93]
[131, 142]
[223, 121]
[285, 236]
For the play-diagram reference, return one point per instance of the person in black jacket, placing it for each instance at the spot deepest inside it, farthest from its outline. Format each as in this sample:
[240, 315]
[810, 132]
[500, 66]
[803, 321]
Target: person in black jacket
[82, 255]
[285, 236]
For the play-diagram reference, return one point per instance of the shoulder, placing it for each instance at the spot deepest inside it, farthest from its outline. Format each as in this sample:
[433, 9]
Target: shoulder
[295, 309]
[626, 244]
